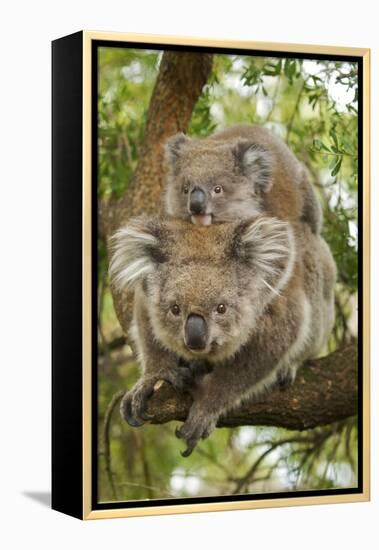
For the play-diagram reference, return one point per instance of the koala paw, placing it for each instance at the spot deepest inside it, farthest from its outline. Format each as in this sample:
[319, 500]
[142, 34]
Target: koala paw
[199, 425]
[186, 375]
[182, 379]
[134, 403]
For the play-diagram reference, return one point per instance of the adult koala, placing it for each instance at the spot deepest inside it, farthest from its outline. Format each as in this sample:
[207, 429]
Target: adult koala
[235, 174]
[251, 299]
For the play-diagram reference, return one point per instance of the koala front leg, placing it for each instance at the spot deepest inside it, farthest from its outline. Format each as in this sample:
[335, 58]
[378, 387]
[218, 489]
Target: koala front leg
[180, 375]
[200, 424]
[212, 395]
[215, 394]
[134, 403]
[157, 364]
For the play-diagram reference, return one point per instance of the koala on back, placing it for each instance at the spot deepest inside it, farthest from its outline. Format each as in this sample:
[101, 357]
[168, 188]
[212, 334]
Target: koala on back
[236, 174]
[251, 299]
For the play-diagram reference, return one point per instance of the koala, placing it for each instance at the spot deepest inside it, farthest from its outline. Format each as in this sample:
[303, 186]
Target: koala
[247, 301]
[237, 174]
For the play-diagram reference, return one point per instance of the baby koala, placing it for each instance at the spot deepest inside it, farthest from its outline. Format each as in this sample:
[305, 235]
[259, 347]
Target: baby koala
[236, 174]
[250, 299]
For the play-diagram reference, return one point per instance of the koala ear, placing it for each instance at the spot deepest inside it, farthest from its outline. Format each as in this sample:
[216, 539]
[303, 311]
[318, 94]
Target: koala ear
[136, 251]
[255, 162]
[268, 245]
[173, 146]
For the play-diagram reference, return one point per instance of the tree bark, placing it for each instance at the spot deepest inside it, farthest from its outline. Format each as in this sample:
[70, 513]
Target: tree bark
[179, 84]
[325, 391]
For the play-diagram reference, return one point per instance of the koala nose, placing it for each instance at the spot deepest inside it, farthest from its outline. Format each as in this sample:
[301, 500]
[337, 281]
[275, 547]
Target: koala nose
[198, 201]
[195, 332]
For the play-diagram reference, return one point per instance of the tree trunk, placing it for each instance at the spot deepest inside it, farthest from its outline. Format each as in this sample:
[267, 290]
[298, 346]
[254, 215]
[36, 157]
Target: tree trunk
[179, 84]
[325, 391]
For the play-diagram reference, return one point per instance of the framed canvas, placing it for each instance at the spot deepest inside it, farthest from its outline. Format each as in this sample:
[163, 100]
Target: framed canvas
[210, 275]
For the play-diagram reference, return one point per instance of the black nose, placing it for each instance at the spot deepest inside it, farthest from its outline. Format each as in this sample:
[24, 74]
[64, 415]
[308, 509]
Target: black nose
[196, 332]
[198, 201]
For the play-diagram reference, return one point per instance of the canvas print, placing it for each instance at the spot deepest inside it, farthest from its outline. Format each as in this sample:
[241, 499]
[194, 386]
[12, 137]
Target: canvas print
[227, 276]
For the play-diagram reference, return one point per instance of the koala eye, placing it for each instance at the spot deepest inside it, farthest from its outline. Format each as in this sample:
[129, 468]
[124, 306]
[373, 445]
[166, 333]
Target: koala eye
[175, 309]
[217, 189]
[221, 308]
[186, 189]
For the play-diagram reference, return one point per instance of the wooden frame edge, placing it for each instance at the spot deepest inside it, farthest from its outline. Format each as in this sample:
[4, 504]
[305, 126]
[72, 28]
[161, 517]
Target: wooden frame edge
[221, 43]
[226, 506]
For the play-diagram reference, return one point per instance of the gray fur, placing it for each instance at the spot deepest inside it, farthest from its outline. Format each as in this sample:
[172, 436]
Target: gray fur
[277, 283]
[256, 163]
[311, 211]
[256, 171]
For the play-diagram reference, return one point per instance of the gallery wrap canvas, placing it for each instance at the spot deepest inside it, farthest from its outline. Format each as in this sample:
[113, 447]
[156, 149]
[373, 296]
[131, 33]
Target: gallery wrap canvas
[210, 275]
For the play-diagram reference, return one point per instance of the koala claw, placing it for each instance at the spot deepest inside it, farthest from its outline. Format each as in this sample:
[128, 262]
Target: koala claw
[177, 433]
[134, 404]
[196, 427]
[191, 444]
[126, 412]
[285, 379]
[188, 451]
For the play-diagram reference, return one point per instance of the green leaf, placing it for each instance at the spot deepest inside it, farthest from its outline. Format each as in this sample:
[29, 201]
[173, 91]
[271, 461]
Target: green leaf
[337, 166]
[320, 146]
[334, 138]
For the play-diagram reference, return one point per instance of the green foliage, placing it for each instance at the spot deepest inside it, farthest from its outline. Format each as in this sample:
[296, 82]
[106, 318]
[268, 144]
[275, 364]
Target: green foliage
[202, 123]
[312, 105]
[125, 86]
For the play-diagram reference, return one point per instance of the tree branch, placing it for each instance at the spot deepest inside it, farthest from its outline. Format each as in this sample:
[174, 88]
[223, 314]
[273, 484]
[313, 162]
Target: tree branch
[325, 391]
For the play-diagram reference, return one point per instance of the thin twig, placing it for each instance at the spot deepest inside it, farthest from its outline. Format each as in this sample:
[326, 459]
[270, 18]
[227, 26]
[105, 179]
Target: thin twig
[248, 477]
[214, 461]
[297, 104]
[274, 98]
[106, 439]
[104, 343]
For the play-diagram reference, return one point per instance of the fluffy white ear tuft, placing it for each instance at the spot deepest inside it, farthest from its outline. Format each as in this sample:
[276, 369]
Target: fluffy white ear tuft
[133, 251]
[268, 245]
[256, 162]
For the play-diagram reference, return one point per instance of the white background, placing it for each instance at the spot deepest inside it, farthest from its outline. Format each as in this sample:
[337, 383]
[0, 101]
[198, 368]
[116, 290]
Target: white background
[26, 31]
